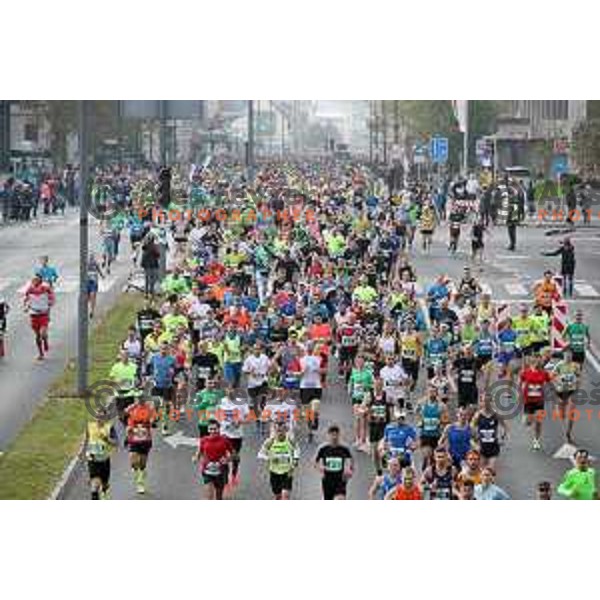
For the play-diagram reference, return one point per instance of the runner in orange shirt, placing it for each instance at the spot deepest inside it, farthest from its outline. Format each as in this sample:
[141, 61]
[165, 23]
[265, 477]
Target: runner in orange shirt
[408, 489]
[546, 292]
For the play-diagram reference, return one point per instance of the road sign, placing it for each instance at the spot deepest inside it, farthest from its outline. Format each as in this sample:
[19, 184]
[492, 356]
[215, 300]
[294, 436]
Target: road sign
[439, 149]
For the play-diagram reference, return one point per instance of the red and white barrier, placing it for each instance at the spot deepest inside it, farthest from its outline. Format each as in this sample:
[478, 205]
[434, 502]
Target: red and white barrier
[559, 325]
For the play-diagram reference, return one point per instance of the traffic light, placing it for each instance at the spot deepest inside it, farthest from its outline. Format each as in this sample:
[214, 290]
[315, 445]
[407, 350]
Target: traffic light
[332, 145]
[164, 187]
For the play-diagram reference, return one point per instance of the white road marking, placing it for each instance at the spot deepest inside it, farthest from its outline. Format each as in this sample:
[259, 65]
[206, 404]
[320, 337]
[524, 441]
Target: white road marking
[516, 289]
[591, 356]
[68, 285]
[106, 284]
[566, 451]
[585, 289]
[570, 301]
[6, 282]
[512, 257]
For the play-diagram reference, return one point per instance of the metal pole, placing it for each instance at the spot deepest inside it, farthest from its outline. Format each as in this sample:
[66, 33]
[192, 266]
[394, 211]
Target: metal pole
[384, 125]
[250, 152]
[282, 135]
[163, 132]
[82, 331]
[466, 140]
[371, 125]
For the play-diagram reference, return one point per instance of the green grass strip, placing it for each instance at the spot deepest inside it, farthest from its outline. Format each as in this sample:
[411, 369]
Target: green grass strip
[35, 461]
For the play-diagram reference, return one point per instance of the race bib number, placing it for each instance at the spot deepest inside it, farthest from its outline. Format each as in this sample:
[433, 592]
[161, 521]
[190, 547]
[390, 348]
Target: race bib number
[430, 424]
[140, 434]
[488, 436]
[378, 411]
[212, 468]
[467, 376]
[282, 459]
[348, 341]
[358, 391]
[334, 464]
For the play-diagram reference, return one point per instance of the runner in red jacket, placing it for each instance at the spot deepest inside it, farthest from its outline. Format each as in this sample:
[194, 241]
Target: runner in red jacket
[39, 299]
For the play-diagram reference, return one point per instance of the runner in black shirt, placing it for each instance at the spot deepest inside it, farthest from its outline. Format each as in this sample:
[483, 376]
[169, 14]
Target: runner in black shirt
[146, 318]
[205, 365]
[466, 367]
[289, 266]
[336, 465]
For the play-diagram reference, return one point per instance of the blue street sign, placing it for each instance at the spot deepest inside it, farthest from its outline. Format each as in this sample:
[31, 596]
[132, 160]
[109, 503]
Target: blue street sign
[439, 149]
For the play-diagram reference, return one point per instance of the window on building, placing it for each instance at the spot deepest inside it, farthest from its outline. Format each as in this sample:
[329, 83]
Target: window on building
[31, 132]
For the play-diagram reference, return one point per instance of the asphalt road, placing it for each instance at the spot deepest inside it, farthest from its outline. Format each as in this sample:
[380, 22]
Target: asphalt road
[23, 379]
[510, 275]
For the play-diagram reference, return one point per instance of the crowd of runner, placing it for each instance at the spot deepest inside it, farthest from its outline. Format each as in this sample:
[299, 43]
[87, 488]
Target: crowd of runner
[276, 296]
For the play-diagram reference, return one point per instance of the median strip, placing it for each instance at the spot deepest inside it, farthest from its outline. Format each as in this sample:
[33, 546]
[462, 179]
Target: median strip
[35, 461]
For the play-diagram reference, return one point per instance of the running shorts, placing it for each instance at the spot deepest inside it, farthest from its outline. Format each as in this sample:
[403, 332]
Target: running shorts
[467, 396]
[348, 353]
[39, 322]
[92, 286]
[280, 482]
[376, 430]
[490, 450]
[333, 487]
[309, 394]
[504, 358]
[481, 361]
[236, 444]
[99, 469]
[142, 448]
[219, 481]
[531, 408]
[430, 441]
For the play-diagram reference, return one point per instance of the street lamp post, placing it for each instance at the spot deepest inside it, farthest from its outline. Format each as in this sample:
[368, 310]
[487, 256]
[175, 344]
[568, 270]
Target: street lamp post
[163, 132]
[250, 148]
[82, 331]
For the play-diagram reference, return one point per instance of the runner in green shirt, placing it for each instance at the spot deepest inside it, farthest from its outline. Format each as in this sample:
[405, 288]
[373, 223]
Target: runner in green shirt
[360, 384]
[124, 374]
[175, 284]
[539, 329]
[205, 405]
[283, 456]
[580, 482]
[578, 337]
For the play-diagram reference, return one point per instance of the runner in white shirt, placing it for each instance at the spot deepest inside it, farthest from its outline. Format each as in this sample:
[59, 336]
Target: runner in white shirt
[256, 367]
[395, 381]
[282, 408]
[133, 345]
[311, 388]
[232, 416]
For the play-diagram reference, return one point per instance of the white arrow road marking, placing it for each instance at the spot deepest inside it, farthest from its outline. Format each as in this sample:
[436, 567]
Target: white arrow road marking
[585, 289]
[516, 289]
[566, 452]
[178, 439]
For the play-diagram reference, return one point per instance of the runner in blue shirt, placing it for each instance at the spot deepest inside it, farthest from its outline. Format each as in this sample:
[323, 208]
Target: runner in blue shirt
[48, 273]
[399, 440]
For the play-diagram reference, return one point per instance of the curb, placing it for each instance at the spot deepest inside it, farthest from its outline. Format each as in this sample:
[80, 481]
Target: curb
[66, 476]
